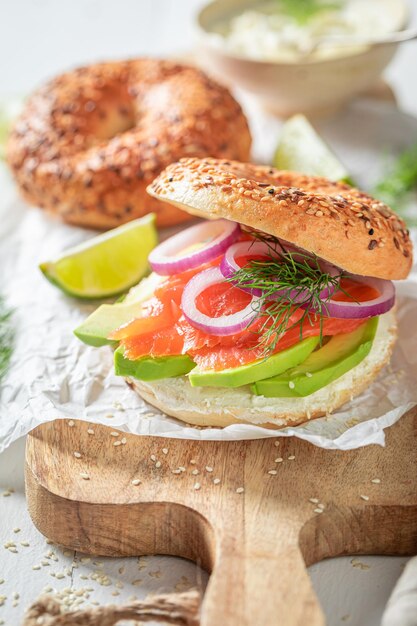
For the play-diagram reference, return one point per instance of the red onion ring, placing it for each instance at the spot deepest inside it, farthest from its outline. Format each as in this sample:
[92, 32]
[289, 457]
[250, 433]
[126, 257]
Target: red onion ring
[220, 326]
[370, 308]
[229, 267]
[167, 259]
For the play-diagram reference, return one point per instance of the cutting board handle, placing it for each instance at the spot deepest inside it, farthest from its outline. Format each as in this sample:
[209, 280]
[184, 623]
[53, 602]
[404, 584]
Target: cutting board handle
[265, 586]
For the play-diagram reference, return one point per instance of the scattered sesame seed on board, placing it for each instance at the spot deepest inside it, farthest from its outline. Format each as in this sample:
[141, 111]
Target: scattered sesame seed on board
[195, 472]
[164, 450]
[77, 455]
[71, 423]
[123, 441]
[193, 461]
[176, 471]
[197, 486]
[16, 530]
[114, 433]
[209, 469]
[291, 458]
[117, 443]
[279, 459]
[153, 458]
[318, 510]
[85, 476]
[366, 498]
[90, 431]
[273, 472]
[216, 481]
[376, 481]
[240, 490]
[136, 481]
[158, 464]
[276, 443]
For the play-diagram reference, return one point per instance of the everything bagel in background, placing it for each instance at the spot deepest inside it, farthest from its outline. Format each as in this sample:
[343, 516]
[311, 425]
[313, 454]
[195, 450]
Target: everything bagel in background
[89, 141]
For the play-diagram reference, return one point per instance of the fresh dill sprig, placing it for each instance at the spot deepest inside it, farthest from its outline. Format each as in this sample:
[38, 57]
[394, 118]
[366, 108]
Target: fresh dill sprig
[304, 10]
[398, 182]
[6, 336]
[301, 279]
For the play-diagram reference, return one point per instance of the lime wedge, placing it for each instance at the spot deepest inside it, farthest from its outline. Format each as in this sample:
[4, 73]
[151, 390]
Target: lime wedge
[301, 149]
[105, 265]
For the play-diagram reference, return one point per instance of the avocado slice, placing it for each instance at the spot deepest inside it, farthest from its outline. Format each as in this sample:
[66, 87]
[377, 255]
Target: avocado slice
[95, 330]
[339, 355]
[152, 368]
[239, 376]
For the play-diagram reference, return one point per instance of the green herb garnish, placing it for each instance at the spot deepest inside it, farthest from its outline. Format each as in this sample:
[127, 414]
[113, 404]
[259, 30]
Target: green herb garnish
[399, 181]
[303, 280]
[303, 10]
[6, 337]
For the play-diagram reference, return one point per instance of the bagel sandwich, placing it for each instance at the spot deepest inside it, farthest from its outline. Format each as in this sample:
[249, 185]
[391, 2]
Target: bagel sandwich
[276, 309]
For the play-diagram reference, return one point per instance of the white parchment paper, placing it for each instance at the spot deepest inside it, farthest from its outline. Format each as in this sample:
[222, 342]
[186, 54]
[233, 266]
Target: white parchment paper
[54, 376]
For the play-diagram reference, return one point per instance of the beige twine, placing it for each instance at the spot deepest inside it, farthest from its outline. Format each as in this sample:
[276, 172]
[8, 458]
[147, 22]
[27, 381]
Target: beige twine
[178, 608]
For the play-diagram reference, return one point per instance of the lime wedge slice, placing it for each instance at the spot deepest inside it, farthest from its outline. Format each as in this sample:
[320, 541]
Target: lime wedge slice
[105, 265]
[301, 149]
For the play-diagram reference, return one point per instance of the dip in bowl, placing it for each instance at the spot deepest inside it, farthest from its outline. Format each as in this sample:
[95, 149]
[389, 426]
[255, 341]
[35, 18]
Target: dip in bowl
[268, 47]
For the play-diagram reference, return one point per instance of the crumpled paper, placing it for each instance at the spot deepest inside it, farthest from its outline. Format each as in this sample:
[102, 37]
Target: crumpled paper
[53, 375]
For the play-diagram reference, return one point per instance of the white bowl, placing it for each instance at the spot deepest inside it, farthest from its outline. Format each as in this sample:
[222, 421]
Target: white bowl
[312, 87]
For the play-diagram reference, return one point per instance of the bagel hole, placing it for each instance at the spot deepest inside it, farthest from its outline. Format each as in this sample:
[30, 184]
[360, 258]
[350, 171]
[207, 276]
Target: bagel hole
[114, 119]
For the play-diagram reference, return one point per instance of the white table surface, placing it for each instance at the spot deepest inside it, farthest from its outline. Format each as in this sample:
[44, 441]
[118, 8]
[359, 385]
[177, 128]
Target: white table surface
[37, 39]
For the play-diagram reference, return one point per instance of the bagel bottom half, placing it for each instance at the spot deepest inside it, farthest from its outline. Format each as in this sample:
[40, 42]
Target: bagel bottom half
[214, 406]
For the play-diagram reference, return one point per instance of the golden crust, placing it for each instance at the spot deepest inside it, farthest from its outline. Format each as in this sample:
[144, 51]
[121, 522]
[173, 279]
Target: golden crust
[336, 222]
[89, 141]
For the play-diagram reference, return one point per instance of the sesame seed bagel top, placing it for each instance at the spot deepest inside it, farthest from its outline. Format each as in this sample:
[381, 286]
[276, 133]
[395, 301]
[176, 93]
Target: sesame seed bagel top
[338, 223]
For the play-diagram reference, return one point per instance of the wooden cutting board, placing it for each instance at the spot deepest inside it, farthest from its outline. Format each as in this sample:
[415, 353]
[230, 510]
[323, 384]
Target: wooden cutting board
[255, 521]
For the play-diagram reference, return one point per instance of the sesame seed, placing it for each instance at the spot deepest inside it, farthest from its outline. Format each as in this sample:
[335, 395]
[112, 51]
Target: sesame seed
[16, 530]
[313, 500]
[123, 441]
[197, 486]
[84, 475]
[272, 472]
[158, 464]
[181, 468]
[291, 458]
[71, 423]
[209, 469]
[195, 472]
[90, 431]
[318, 510]
[276, 443]
[25, 544]
[376, 481]
[36, 567]
[77, 455]
[309, 374]
[291, 384]
[176, 471]
[279, 459]
[153, 457]
[114, 433]
[136, 481]
[193, 461]
[366, 498]
[164, 450]
[321, 506]
[240, 490]
[117, 443]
